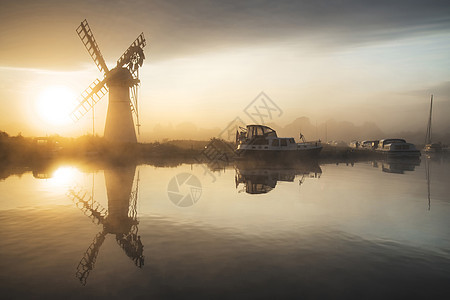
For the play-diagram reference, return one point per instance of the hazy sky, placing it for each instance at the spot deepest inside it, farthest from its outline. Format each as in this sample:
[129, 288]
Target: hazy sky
[375, 61]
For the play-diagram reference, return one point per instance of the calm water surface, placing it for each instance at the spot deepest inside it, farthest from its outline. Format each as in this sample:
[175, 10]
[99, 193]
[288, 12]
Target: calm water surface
[363, 230]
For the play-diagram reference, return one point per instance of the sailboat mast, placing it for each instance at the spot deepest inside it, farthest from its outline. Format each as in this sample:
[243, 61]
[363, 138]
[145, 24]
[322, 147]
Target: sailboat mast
[428, 137]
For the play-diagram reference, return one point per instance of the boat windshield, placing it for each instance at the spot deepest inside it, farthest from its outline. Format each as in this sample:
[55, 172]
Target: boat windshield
[259, 130]
[390, 141]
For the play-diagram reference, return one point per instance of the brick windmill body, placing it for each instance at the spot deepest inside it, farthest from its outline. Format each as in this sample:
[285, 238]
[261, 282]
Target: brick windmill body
[122, 82]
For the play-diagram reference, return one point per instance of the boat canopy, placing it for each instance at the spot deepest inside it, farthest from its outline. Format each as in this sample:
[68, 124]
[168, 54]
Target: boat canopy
[260, 131]
[390, 141]
[369, 142]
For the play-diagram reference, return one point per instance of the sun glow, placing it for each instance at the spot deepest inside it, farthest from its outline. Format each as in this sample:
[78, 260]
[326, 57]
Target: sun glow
[54, 105]
[64, 175]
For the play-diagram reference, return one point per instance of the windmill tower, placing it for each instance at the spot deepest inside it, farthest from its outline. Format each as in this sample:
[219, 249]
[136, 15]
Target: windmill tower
[122, 82]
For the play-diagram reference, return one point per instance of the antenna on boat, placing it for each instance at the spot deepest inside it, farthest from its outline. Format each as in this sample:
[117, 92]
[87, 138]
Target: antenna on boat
[428, 136]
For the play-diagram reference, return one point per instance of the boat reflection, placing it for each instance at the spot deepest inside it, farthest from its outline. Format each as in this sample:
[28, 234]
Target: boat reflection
[119, 219]
[435, 159]
[427, 175]
[262, 178]
[397, 165]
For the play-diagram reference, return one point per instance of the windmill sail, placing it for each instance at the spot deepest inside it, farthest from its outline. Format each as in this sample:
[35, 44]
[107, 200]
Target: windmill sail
[89, 98]
[92, 209]
[88, 40]
[132, 245]
[136, 47]
[89, 258]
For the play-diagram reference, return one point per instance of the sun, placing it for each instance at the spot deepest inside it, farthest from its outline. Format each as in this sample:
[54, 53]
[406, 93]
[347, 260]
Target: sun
[54, 105]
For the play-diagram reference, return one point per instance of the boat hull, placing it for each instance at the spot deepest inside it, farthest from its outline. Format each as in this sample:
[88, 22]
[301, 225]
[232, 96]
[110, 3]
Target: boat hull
[279, 154]
[412, 153]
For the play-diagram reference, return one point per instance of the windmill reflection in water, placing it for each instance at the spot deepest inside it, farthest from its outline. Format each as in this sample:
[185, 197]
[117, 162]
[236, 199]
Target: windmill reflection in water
[119, 219]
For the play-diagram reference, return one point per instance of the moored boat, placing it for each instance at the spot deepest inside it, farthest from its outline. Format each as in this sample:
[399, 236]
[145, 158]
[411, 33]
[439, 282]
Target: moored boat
[262, 142]
[431, 147]
[397, 147]
[369, 144]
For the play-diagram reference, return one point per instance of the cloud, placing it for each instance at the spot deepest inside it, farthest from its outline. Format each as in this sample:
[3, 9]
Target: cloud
[42, 33]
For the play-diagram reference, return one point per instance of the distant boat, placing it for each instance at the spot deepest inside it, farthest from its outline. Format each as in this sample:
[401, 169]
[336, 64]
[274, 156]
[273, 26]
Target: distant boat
[397, 147]
[262, 142]
[354, 144]
[369, 145]
[431, 147]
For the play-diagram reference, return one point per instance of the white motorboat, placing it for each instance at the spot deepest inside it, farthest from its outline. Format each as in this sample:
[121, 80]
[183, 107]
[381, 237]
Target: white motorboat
[262, 142]
[397, 147]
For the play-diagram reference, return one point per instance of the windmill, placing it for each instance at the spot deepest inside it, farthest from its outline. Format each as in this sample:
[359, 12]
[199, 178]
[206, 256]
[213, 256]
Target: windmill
[122, 82]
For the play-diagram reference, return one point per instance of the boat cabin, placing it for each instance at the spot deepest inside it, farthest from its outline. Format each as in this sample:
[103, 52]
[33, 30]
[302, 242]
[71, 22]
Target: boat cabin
[262, 135]
[255, 131]
[369, 144]
[387, 143]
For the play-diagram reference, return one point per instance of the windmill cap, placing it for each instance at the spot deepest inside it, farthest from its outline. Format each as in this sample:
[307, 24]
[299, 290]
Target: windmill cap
[121, 76]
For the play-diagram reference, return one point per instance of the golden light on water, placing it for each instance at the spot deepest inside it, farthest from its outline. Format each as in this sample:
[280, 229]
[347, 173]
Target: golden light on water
[54, 105]
[64, 176]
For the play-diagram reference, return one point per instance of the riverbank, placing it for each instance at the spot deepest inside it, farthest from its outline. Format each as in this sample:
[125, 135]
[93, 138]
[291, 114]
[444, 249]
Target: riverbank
[24, 152]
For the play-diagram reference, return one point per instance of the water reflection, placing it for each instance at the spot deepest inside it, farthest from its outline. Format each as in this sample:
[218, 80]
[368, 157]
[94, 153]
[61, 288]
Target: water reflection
[397, 165]
[261, 178]
[119, 219]
[427, 172]
[359, 222]
[438, 158]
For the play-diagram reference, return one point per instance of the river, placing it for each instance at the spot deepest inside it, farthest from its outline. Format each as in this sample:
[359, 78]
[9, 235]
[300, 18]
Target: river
[366, 230]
